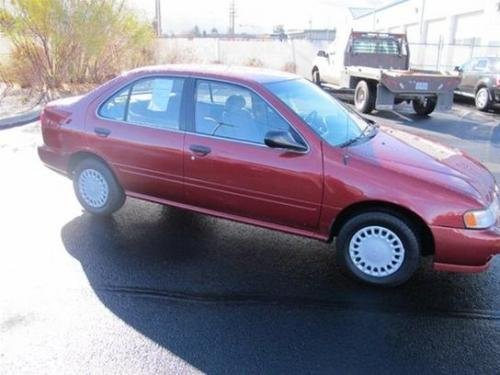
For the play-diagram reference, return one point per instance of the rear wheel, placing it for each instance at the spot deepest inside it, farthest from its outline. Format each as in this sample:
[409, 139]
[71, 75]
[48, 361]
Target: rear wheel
[378, 248]
[96, 188]
[364, 97]
[482, 99]
[425, 106]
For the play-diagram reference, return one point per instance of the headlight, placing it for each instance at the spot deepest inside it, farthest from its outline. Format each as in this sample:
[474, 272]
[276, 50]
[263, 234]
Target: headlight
[482, 219]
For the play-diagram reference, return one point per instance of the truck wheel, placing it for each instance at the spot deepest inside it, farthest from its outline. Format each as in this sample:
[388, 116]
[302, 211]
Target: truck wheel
[378, 248]
[364, 97]
[96, 188]
[483, 102]
[424, 107]
[316, 77]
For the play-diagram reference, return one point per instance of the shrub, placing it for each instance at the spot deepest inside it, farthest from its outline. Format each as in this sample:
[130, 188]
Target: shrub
[57, 42]
[289, 67]
[255, 62]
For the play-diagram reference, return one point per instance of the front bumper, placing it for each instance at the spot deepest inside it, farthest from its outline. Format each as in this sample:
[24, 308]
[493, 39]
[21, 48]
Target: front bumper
[464, 250]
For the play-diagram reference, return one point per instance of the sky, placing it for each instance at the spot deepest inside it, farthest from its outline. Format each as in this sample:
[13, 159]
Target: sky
[253, 16]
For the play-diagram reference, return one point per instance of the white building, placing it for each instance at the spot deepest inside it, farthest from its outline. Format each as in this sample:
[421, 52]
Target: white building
[452, 31]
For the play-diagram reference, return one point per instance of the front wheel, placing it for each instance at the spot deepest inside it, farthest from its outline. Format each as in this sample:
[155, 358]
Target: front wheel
[425, 106]
[378, 248]
[316, 77]
[96, 188]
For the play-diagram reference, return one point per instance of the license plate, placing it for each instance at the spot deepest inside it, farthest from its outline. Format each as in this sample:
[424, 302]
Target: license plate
[422, 86]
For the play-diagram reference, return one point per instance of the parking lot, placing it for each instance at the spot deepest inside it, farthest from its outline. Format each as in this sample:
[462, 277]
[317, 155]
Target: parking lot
[158, 290]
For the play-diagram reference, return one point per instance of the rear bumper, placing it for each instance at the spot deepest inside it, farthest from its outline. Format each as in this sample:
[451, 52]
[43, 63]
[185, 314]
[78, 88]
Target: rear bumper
[54, 159]
[465, 250]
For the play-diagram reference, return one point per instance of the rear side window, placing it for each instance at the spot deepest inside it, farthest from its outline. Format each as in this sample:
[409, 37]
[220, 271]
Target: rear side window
[114, 107]
[152, 102]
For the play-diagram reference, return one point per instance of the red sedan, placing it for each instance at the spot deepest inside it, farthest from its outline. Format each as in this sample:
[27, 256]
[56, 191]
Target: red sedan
[272, 149]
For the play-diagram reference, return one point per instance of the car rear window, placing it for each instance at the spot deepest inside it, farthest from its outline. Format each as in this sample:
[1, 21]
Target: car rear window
[375, 45]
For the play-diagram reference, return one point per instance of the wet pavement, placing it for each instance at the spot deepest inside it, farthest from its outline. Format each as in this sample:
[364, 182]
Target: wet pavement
[161, 290]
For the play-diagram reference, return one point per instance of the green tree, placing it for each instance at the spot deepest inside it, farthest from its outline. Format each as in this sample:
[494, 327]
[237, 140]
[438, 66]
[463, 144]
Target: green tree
[58, 42]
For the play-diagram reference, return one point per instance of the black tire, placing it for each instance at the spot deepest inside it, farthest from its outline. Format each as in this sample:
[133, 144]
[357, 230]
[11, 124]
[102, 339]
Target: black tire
[424, 107]
[115, 197]
[408, 247]
[316, 77]
[482, 99]
[364, 97]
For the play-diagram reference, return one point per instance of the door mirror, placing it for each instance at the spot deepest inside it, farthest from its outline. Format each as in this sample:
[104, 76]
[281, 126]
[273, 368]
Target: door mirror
[322, 53]
[458, 69]
[284, 140]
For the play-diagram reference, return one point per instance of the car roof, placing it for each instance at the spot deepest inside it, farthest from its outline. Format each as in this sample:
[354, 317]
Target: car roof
[217, 71]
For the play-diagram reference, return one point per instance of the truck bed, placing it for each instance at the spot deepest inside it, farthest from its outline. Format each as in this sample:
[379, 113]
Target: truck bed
[412, 81]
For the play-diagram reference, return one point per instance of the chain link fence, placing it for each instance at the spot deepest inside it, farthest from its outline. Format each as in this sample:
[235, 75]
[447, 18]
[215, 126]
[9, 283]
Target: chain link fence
[440, 56]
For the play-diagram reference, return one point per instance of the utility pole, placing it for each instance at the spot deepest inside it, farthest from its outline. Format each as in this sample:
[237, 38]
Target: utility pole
[158, 18]
[422, 24]
[232, 17]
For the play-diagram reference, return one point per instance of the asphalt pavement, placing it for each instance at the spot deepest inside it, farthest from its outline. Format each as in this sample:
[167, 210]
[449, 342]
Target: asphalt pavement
[161, 290]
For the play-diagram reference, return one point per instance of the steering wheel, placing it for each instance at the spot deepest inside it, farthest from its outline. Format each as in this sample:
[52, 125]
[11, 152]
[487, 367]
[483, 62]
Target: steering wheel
[316, 122]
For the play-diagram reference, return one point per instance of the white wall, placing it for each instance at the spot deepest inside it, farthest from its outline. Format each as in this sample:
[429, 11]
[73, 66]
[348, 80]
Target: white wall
[272, 53]
[439, 24]
[466, 18]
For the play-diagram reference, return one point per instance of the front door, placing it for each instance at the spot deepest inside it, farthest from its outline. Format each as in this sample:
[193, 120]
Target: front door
[138, 131]
[229, 169]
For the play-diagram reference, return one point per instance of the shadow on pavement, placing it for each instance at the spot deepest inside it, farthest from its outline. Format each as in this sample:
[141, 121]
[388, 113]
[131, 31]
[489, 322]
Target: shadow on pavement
[458, 127]
[263, 301]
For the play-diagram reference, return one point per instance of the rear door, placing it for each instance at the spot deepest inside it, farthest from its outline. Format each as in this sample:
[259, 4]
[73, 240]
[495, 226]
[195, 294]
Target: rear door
[229, 169]
[138, 130]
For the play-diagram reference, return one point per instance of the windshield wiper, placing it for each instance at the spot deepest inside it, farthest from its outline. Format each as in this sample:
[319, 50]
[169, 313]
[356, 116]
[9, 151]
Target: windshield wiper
[371, 126]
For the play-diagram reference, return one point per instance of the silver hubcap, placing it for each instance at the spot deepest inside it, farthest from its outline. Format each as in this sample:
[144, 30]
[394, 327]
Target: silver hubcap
[360, 96]
[93, 188]
[376, 251]
[482, 98]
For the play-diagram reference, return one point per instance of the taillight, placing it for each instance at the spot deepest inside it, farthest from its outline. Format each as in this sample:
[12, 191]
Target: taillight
[53, 116]
[51, 120]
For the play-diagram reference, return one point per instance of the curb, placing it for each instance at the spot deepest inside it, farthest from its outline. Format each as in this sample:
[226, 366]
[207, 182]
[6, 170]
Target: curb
[20, 119]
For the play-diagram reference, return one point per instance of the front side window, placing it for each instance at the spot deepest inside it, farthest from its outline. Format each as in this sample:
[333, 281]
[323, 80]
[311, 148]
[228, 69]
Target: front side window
[234, 112]
[152, 102]
[335, 123]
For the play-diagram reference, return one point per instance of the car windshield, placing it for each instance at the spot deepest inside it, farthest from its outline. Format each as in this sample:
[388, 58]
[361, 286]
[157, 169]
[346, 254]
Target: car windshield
[335, 123]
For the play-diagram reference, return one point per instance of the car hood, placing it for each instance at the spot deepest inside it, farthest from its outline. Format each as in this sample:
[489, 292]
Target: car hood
[428, 160]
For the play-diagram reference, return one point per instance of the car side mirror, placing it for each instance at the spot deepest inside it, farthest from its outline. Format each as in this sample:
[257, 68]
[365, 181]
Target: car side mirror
[458, 69]
[284, 140]
[322, 53]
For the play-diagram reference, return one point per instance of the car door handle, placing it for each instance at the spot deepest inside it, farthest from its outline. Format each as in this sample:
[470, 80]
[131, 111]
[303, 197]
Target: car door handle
[200, 150]
[102, 132]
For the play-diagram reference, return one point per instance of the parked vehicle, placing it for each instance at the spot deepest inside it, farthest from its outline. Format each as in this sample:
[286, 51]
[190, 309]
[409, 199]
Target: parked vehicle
[274, 150]
[481, 81]
[375, 68]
